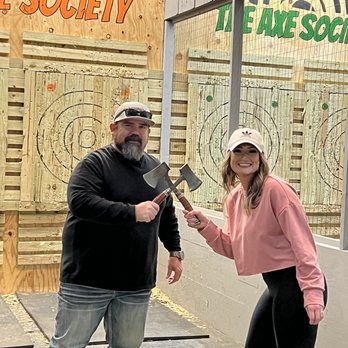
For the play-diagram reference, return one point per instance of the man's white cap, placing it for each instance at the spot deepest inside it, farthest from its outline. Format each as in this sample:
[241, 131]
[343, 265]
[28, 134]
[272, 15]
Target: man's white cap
[245, 136]
[133, 111]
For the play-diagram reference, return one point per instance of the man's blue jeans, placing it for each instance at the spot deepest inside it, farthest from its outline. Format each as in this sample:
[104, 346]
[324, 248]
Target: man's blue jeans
[81, 309]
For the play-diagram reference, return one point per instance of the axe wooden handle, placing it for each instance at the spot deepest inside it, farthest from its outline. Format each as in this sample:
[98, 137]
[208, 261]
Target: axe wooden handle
[161, 197]
[183, 200]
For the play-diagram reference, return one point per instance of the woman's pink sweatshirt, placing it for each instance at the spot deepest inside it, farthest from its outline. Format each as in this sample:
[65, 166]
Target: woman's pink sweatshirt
[275, 236]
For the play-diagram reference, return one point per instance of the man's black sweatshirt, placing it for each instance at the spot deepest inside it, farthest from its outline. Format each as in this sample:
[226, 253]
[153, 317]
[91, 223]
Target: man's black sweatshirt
[103, 245]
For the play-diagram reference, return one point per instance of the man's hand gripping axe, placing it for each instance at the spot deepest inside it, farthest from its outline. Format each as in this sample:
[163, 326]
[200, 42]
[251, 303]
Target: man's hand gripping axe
[154, 176]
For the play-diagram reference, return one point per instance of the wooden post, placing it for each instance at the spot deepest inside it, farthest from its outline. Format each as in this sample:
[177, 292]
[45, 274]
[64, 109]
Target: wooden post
[10, 245]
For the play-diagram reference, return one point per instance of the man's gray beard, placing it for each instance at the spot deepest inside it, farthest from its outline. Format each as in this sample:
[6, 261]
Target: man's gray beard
[131, 151]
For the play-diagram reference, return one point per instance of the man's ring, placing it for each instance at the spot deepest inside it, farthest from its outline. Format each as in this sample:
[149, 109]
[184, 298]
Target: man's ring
[197, 222]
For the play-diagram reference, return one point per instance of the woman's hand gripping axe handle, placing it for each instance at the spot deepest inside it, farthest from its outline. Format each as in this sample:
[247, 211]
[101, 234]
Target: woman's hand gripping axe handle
[160, 172]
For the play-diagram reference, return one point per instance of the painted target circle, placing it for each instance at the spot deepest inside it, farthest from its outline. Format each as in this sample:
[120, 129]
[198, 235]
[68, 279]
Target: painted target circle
[213, 135]
[328, 149]
[70, 127]
[87, 139]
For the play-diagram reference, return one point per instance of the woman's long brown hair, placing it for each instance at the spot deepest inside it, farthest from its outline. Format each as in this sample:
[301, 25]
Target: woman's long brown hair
[230, 180]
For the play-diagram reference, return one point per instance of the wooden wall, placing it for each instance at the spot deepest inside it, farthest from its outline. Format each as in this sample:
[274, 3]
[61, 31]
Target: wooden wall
[120, 20]
[57, 106]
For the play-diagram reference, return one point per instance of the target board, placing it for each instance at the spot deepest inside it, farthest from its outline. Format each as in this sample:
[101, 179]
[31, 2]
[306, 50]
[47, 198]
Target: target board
[271, 111]
[65, 135]
[214, 133]
[68, 117]
[324, 141]
[262, 109]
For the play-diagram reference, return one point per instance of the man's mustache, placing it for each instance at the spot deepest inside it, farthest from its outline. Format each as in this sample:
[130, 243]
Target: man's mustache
[133, 137]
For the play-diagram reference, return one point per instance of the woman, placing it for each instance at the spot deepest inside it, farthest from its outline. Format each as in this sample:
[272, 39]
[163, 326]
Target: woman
[266, 231]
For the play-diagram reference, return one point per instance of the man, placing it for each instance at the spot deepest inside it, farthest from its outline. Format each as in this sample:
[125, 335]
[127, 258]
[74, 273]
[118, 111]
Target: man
[110, 239]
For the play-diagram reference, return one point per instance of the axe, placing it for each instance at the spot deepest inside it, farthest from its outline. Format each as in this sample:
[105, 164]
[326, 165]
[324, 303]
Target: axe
[154, 176]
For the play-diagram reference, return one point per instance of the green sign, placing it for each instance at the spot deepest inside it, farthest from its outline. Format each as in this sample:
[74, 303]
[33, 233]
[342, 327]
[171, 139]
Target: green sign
[282, 24]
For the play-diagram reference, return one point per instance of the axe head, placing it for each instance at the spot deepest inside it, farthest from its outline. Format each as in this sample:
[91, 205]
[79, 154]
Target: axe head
[158, 173]
[190, 177]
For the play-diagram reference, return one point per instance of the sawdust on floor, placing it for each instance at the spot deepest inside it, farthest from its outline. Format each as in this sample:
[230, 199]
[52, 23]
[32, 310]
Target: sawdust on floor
[29, 326]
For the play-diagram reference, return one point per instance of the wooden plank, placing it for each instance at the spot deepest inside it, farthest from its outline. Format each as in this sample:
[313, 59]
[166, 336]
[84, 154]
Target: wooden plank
[178, 122]
[155, 107]
[40, 232]
[15, 81]
[324, 223]
[212, 55]
[4, 49]
[12, 195]
[16, 111]
[4, 63]
[155, 92]
[70, 54]
[16, 97]
[328, 77]
[75, 67]
[208, 79]
[42, 259]
[208, 68]
[274, 73]
[41, 219]
[39, 247]
[174, 133]
[15, 124]
[4, 33]
[12, 181]
[197, 67]
[330, 72]
[335, 66]
[179, 96]
[15, 140]
[14, 153]
[41, 39]
[83, 56]
[224, 56]
[176, 146]
[30, 206]
[179, 109]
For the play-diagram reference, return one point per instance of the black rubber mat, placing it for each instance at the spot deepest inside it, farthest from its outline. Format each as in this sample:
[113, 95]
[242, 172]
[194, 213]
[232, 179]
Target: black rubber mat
[163, 325]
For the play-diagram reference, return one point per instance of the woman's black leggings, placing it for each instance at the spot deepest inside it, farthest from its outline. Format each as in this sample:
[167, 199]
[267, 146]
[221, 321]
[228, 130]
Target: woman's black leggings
[279, 319]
